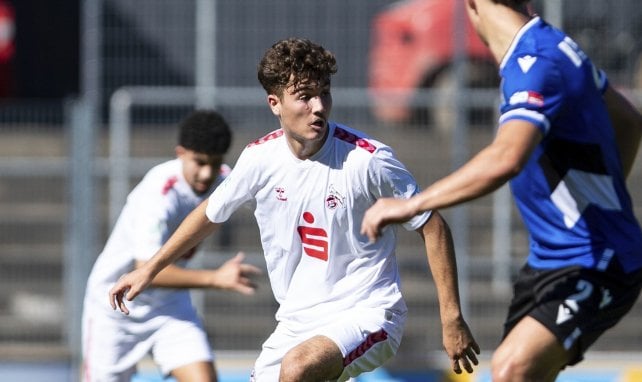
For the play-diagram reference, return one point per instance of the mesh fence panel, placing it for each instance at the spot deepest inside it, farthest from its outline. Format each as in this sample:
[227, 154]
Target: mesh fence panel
[152, 43]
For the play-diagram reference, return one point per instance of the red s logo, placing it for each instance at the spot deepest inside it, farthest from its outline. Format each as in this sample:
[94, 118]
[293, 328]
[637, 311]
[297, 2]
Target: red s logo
[314, 240]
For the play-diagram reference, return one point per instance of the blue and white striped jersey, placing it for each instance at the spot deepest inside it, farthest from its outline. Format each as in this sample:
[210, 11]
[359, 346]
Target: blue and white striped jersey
[572, 193]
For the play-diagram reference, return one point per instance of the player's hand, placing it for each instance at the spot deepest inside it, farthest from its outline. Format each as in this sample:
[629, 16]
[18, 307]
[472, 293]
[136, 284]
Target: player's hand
[128, 287]
[385, 211]
[460, 346]
[236, 275]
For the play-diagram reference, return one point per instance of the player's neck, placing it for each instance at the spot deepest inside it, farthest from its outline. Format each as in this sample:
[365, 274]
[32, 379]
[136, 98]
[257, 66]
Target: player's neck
[502, 30]
[304, 149]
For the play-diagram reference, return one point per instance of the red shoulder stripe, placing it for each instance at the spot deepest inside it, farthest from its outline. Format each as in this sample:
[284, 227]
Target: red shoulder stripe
[169, 183]
[273, 135]
[346, 136]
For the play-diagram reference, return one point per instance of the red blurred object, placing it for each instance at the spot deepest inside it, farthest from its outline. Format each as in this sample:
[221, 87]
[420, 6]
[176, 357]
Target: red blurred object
[412, 41]
[7, 47]
[7, 31]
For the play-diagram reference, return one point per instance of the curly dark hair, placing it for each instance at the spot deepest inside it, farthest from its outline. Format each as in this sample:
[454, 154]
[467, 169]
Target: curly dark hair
[205, 131]
[292, 62]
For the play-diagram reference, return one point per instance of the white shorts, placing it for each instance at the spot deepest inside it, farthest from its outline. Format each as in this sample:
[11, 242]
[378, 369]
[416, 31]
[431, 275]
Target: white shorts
[112, 348]
[367, 338]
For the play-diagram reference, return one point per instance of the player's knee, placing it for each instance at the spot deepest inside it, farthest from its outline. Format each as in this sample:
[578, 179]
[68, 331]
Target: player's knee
[506, 368]
[292, 369]
[195, 372]
[316, 359]
[297, 366]
[513, 368]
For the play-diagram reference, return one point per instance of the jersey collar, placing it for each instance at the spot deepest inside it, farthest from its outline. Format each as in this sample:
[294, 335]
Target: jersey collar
[516, 40]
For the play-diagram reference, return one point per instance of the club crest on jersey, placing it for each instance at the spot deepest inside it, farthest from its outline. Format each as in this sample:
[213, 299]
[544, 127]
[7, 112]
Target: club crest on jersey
[280, 194]
[334, 199]
[527, 96]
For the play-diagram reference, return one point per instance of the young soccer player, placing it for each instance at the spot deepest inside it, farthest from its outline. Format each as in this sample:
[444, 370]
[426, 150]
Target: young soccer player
[566, 141]
[341, 311]
[162, 321]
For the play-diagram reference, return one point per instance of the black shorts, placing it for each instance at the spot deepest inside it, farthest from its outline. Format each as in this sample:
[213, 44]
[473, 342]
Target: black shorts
[576, 304]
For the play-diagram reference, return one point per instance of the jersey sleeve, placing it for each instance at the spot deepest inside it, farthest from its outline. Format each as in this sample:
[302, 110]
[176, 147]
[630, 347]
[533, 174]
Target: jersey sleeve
[533, 90]
[234, 191]
[389, 178]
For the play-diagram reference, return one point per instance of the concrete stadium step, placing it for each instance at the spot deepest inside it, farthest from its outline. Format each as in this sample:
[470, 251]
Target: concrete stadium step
[35, 231]
[29, 211]
[25, 330]
[36, 266]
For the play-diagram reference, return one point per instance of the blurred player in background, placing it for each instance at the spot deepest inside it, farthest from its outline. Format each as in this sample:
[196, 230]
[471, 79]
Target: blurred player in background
[566, 140]
[341, 311]
[162, 321]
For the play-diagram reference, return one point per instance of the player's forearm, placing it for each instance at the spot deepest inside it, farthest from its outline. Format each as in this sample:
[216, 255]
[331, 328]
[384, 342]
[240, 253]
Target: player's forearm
[476, 178]
[174, 276]
[443, 266]
[485, 172]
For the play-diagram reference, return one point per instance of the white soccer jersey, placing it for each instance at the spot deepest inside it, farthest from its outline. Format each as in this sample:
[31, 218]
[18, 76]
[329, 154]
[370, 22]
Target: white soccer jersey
[309, 213]
[113, 343]
[154, 209]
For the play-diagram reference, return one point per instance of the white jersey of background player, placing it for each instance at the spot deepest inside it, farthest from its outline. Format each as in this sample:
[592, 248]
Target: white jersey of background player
[341, 312]
[162, 321]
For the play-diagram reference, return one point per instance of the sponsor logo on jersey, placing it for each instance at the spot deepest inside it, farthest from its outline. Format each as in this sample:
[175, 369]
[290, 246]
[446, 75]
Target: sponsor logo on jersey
[313, 239]
[526, 62]
[527, 96]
